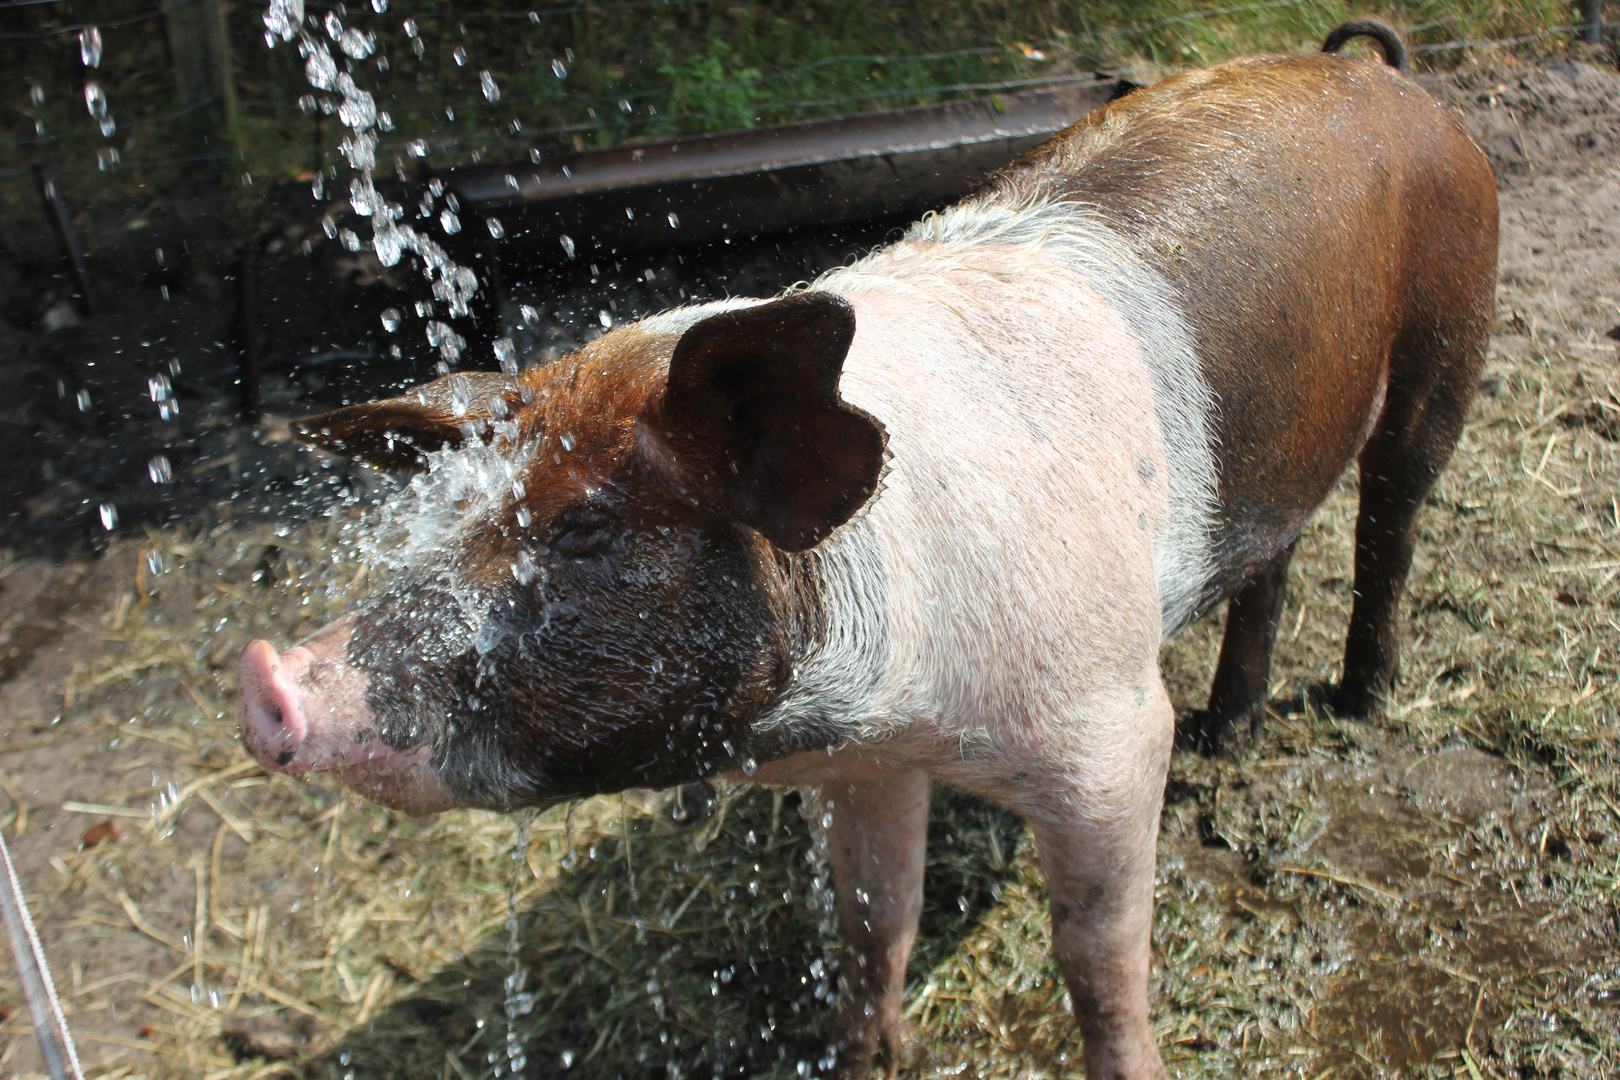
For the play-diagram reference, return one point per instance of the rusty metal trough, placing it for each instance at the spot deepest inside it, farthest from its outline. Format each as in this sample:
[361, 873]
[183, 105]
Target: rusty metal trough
[702, 189]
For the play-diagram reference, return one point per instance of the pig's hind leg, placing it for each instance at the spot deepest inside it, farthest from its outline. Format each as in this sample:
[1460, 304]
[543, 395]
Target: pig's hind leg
[1434, 376]
[876, 841]
[1238, 694]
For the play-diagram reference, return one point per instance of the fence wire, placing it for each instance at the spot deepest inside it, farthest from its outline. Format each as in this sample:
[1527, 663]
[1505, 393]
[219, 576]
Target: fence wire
[691, 93]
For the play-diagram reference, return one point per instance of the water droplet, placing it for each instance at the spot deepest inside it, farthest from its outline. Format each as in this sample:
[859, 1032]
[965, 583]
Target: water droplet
[558, 69]
[417, 148]
[380, 6]
[450, 223]
[90, 46]
[496, 229]
[605, 318]
[356, 44]
[159, 469]
[321, 70]
[524, 518]
[486, 82]
[282, 19]
[411, 29]
[674, 222]
[36, 94]
[567, 245]
[109, 516]
[624, 105]
[567, 440]
[106, 158]
[459, 55]
[82, 400]
[95, 99]
[154, 561]
[390, 319]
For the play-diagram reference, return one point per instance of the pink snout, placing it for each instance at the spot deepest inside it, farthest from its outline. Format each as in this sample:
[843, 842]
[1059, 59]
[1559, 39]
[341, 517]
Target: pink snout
[272, 720]
[305, 711]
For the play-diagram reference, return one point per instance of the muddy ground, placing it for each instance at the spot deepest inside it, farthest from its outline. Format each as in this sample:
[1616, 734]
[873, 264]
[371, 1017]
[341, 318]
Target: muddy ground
[1431, 895]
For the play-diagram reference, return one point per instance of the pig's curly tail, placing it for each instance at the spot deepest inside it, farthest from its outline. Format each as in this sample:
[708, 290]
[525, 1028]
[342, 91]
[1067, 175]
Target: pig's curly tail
[1388, 38]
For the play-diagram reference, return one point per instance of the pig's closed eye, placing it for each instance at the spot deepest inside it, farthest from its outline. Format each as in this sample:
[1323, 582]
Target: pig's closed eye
[582, 535]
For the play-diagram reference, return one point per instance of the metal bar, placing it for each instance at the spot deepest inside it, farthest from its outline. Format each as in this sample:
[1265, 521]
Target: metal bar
[705, 188]
[703, 157]
[64, 230]
[61, 1058]
[1592, 21]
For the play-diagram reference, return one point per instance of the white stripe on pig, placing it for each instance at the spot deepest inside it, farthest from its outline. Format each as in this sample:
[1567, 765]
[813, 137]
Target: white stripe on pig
[1002, 588]
[1076, 236]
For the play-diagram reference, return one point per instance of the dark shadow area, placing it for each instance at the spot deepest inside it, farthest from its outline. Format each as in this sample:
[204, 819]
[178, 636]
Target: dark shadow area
[218, 316]
[720, 962]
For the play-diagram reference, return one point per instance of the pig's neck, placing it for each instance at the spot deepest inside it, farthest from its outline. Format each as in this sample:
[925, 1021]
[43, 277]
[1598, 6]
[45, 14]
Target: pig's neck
[839, 645]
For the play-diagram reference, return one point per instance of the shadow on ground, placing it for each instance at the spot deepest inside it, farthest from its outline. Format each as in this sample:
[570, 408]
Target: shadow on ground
[720, 963]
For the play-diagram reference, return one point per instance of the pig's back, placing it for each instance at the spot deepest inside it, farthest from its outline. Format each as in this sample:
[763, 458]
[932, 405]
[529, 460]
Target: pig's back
[1306, 212]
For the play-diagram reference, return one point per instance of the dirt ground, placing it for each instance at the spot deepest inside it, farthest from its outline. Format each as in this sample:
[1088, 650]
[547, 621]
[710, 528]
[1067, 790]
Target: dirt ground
[1431, 895]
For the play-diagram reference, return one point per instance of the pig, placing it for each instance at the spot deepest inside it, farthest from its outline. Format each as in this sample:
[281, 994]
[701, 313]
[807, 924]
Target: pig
[933, 515]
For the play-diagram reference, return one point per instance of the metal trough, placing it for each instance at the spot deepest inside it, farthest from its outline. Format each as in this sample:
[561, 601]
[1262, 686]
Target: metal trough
[705, 188]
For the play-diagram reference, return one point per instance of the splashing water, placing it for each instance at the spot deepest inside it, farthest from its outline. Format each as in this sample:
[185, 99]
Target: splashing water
[90, 46]
[452, 284]
[95, 100]
[518, 1002]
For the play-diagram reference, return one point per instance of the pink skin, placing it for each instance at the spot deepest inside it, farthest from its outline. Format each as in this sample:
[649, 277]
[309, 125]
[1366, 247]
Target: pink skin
[877, 843]
[304, 711]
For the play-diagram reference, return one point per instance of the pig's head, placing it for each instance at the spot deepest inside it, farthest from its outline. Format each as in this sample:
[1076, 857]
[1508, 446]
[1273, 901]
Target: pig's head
[597, 591]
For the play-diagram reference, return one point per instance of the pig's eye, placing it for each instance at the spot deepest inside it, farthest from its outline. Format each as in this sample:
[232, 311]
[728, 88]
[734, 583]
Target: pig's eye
[582, 534]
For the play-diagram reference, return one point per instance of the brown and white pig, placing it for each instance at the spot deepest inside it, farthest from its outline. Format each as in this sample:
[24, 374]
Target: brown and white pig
[934, 515]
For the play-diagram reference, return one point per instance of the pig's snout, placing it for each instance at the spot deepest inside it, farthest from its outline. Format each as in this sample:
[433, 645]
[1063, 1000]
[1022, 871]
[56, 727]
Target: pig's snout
[305, 711]
[273, 722]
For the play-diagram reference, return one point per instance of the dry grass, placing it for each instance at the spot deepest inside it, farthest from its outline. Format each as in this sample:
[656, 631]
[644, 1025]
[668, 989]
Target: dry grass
[649, 945]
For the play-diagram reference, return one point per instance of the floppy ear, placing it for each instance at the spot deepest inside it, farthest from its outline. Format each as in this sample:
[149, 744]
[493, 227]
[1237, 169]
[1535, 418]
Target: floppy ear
[397, 434]
[753, 397]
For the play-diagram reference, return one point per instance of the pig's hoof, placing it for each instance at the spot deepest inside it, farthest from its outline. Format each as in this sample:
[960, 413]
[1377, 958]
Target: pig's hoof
[859, 1056]
[1356, 701]
[1221, 734]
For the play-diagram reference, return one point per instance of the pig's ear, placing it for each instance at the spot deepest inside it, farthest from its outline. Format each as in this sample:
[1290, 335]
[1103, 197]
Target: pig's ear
[397, 434]
[753, 396]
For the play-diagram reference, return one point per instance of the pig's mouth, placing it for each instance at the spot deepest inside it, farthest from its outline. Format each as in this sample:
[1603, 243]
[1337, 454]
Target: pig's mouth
[289, 729]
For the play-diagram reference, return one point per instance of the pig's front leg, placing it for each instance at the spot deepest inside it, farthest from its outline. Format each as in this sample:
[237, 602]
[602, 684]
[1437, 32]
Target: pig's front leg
[1097, 836]
[876, 843]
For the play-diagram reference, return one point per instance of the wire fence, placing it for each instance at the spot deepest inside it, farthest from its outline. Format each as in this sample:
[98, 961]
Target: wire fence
[114, 85]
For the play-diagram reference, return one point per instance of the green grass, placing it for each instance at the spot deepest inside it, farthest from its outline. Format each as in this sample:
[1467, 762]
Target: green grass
[644, 71]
